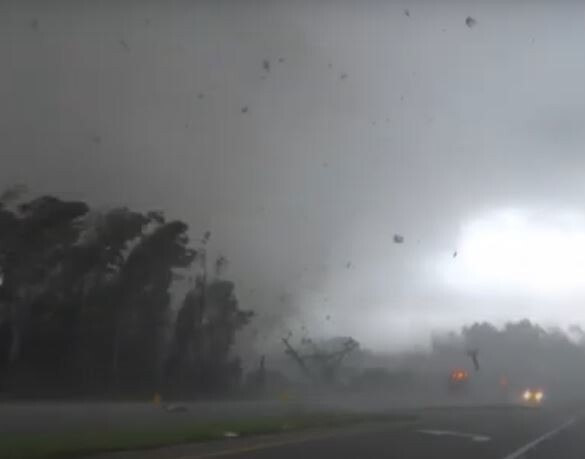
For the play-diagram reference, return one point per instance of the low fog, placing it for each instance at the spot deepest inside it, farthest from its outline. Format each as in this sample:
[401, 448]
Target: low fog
[393, 172]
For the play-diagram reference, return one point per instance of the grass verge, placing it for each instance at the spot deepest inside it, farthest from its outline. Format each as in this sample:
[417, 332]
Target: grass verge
[67, 445]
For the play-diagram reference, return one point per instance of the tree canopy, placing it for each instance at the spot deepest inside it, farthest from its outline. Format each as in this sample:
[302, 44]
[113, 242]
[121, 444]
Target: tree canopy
[85, 303]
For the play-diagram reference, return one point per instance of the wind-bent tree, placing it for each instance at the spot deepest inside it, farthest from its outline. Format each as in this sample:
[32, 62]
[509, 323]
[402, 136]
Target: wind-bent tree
[85, 300]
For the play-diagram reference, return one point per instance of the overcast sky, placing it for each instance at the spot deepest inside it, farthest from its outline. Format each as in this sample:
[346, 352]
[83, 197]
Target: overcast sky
[367, 119]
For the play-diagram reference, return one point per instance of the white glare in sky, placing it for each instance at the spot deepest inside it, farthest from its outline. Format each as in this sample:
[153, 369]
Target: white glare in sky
[513, 251]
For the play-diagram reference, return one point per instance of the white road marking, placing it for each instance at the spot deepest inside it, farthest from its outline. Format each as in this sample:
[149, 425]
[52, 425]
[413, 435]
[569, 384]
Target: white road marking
[534, 443]
[471, 436]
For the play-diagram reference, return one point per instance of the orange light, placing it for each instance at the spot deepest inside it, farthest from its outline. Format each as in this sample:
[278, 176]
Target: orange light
[459, 375]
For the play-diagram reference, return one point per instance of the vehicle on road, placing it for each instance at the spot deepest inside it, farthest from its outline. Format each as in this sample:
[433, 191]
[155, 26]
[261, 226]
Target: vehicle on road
[532, 396]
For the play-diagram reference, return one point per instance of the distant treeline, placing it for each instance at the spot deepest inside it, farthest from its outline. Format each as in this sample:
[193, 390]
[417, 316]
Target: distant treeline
[508, 359]
[85, 304]
[520, 353]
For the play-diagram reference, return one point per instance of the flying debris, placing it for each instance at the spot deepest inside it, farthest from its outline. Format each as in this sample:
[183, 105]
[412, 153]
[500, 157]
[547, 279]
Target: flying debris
[220, 265]
[280, 60]
[34, 24]
[124, 45]
[200, 96]
[327, 317]
[245, 109]
[96, 139]
[473, 354]
[266, 65]
[407, 12]
[455, 254]
[398, 239]
[343, 76]
[348, 265]
[470, 22]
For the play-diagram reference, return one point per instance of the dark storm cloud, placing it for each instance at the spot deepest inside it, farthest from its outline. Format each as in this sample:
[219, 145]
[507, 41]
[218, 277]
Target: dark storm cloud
[164, 106]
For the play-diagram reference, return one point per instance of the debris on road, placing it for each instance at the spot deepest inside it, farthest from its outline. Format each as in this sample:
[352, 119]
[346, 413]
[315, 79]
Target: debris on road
[175, 408]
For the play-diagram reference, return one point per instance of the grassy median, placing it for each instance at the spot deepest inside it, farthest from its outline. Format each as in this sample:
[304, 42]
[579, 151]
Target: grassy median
[75, 444]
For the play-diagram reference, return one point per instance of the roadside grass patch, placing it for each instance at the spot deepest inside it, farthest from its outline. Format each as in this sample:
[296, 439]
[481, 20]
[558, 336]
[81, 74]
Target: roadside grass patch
[65, 445]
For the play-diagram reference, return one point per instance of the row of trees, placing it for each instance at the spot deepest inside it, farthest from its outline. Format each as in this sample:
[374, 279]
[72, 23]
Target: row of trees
[521, 353]
[85, 303]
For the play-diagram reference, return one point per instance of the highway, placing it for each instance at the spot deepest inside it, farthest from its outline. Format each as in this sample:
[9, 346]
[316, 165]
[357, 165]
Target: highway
[479, 433]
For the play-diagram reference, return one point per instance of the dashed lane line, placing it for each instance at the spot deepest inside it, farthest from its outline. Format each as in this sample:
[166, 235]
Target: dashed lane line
[537, 441]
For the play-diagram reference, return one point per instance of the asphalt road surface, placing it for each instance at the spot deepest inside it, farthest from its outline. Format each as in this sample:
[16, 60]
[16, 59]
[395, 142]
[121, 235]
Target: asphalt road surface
[454, 433]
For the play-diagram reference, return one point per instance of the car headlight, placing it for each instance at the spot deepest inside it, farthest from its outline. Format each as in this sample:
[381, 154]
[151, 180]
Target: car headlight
[538, 396]
[527, 395]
